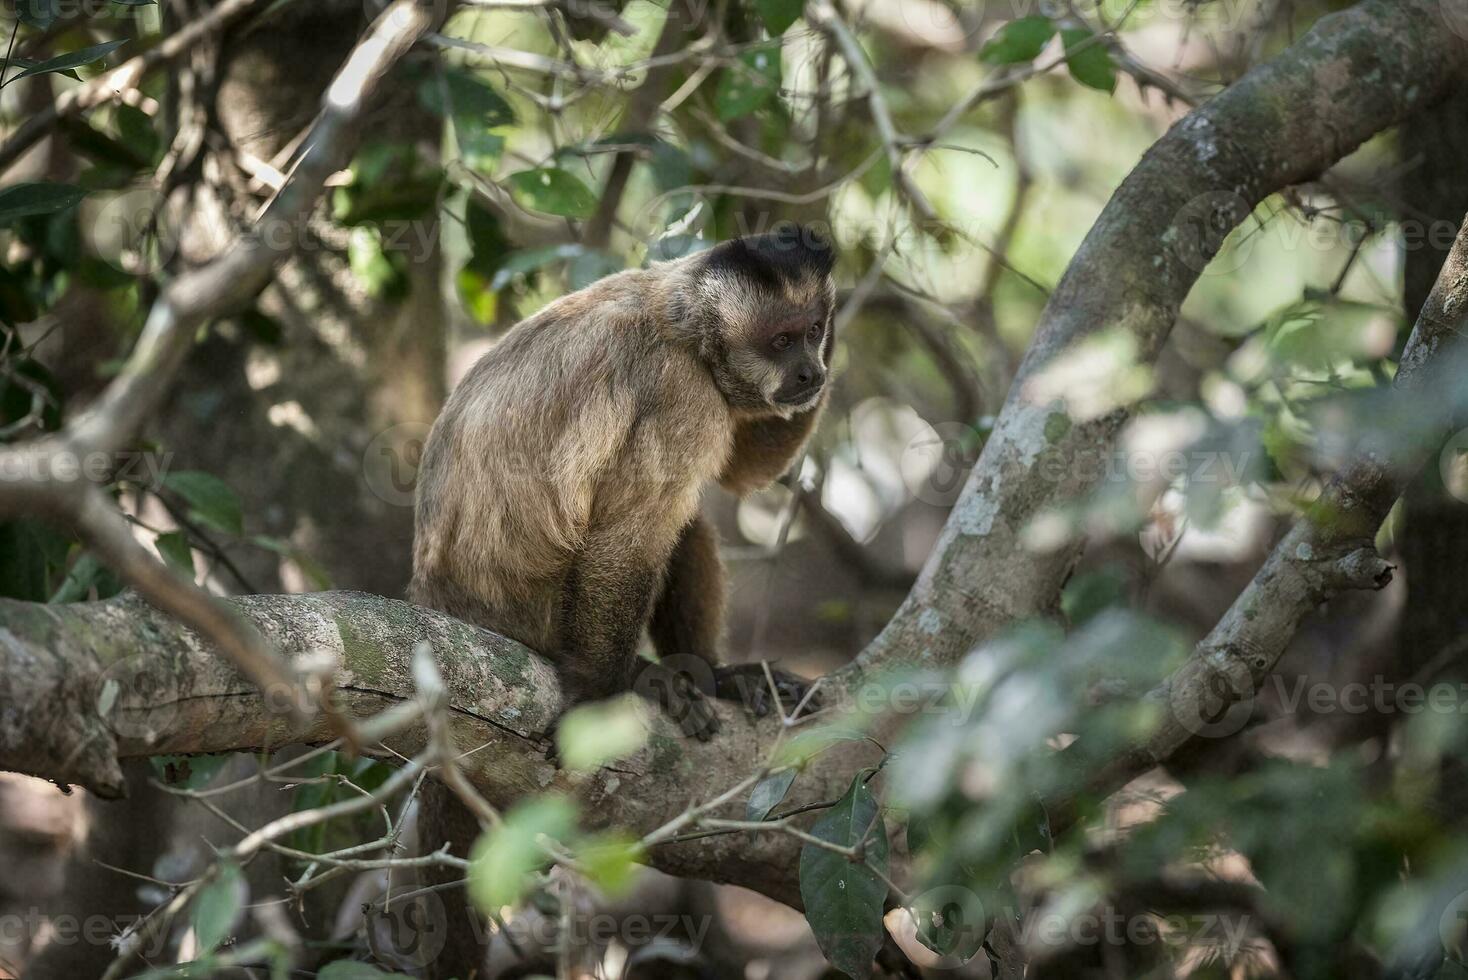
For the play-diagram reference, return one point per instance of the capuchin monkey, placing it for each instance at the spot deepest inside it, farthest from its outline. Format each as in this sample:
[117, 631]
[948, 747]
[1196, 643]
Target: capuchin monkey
[558, 493]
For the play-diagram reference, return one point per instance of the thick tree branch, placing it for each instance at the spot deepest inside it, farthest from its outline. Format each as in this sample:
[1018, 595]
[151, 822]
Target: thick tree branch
[1285, 122]
[87, 684]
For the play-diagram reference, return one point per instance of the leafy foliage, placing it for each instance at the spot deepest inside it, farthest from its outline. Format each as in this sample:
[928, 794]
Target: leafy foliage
[844, 897]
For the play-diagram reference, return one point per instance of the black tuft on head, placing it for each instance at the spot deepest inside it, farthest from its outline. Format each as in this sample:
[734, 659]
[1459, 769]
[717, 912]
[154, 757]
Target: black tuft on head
[788, 254]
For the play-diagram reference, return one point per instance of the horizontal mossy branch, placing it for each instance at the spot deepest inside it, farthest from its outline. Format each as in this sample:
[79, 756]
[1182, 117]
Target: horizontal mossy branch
[85, 685]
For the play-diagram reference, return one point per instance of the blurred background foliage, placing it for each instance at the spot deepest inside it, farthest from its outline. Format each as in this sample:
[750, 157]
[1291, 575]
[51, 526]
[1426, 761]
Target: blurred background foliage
[531, 149]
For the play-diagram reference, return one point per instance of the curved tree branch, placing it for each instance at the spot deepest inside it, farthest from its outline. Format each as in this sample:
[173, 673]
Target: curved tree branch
[1353, 75]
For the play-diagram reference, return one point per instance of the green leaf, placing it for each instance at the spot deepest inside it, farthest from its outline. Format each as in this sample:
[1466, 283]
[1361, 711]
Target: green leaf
[813, 741]
[86, 574]
[356, 970]
[591, 265]
[595, 734]
[749, 83]
[778, 15]
[16, 63]
[554, 191]
[31, 552]
[29, 199]
[507, 855]
[217, 907]
[919, 833]
[474, 108]
[459, 94]
[369, 263]
[210, 499]
[610, 861]
[74, 59]
[174, 547]
[1019, 41]
[1090, 65]
[768, 793]
[136, 128]
[531, 259]
[843, 900]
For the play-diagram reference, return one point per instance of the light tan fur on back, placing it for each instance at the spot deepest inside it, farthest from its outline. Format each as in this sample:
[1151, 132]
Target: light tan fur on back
[583, 412]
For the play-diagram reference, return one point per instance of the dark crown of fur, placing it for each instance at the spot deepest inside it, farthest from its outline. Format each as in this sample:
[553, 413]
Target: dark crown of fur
[789, 254]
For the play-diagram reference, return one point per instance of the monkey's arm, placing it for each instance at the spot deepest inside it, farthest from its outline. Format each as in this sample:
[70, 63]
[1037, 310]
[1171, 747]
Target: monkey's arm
[765, 448]
[607, 599]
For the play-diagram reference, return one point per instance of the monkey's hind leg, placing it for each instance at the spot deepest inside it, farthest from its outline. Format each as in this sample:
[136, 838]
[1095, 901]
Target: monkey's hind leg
[687, 629]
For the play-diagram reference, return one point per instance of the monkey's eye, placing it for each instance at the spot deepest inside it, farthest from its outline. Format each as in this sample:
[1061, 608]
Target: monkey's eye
[816, 329]
[781, 343]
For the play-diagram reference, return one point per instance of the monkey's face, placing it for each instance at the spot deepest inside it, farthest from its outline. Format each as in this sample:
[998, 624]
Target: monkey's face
[796, 348]
[772, 298]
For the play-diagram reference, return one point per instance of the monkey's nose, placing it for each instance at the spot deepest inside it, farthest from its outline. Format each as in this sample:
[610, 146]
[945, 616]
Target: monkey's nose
[810, 378]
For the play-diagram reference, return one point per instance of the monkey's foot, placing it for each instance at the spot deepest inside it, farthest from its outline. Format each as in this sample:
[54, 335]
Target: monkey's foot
[747, 684]
[681, 699]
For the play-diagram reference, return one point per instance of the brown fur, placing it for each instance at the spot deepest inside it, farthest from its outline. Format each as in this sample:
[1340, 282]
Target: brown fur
[568, 464]
[559, 489]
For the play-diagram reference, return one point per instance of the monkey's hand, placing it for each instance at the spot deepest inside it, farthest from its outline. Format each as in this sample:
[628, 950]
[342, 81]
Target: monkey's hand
[681, 699]
[747, 684]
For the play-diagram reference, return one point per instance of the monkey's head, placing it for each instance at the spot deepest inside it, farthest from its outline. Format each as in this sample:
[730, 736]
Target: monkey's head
[764, 306]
